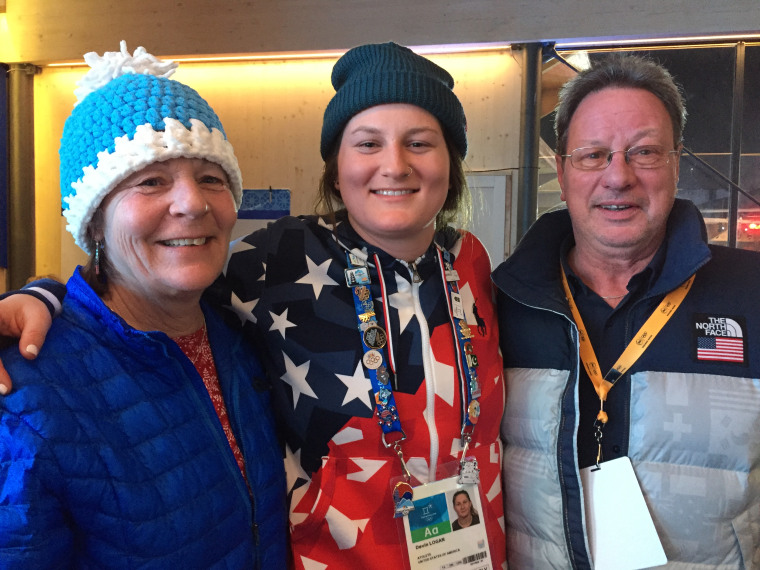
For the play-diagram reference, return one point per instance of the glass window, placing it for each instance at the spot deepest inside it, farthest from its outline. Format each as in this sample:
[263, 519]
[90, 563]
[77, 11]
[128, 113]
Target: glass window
[706, 74]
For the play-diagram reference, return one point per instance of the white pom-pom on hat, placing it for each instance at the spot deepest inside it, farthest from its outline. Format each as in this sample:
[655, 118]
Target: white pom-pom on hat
[113, 64]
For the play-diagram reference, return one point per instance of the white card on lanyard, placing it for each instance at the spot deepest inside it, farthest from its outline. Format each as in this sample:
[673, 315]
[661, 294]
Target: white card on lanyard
[621, 533]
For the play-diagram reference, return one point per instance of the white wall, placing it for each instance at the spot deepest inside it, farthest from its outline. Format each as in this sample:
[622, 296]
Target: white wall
[272, 113]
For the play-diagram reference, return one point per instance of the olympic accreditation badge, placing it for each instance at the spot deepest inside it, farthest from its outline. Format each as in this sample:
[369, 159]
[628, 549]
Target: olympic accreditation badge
[447, 528]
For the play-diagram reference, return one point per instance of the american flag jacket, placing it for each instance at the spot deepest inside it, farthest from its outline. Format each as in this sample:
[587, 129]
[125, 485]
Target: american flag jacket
[287, 285]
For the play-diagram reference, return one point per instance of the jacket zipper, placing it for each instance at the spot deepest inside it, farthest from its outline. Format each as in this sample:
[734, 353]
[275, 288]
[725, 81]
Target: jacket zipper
[561, 476]
[212, 418]
[415, 275]
[429, 372]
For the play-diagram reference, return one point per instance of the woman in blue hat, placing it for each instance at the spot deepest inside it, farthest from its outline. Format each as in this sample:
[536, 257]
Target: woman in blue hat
[140, 436]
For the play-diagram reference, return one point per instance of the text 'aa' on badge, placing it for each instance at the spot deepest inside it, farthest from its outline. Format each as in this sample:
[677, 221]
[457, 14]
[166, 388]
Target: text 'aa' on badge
[402, 499]
[374, 337]
[372, 359]
[386, 416]
[357, 276]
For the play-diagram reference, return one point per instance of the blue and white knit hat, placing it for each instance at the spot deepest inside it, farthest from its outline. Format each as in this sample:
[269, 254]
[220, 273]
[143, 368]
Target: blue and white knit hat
[128, 115]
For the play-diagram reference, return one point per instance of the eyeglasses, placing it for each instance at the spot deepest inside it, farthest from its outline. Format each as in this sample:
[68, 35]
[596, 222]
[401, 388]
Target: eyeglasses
[599, 158]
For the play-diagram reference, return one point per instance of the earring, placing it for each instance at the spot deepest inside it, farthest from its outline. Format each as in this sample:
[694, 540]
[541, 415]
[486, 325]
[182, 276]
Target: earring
[98, 248]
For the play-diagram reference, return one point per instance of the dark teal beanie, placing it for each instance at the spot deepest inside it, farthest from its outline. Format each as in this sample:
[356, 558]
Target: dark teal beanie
[376, 74]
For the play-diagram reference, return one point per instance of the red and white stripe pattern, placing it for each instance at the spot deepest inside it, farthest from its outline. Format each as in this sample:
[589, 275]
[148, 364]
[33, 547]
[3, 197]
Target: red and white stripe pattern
[724, 349]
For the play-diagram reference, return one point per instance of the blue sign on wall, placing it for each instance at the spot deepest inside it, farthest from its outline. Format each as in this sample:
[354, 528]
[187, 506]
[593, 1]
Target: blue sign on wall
[264, 204]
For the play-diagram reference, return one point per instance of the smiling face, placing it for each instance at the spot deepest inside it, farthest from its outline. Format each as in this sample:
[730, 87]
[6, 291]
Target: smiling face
[393, 176]
[166, 230]
[620, 211]
[462, 505]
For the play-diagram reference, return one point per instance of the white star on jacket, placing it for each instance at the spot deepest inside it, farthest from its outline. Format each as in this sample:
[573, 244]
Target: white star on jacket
[316, 276]
[280, 322]
[403, 302]
[243, 309]
[344, 530]
[359, 386]
[295, 376]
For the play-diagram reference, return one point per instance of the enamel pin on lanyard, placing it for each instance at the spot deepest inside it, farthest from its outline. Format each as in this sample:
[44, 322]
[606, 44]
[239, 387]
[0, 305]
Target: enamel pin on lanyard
[378, 360]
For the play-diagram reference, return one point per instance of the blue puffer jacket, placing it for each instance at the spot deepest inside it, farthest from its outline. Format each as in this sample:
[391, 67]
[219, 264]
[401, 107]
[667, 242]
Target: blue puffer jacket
[112, 456]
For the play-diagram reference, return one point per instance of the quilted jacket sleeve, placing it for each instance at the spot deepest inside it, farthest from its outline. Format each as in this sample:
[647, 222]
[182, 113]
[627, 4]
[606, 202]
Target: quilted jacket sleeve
[33, 534]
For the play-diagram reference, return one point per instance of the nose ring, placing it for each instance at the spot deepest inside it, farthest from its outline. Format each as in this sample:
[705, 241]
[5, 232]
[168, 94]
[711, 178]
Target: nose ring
[408, 174]
[205, 209]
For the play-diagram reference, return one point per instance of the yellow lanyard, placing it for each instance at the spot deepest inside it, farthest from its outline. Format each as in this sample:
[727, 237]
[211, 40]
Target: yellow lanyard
[635, 348]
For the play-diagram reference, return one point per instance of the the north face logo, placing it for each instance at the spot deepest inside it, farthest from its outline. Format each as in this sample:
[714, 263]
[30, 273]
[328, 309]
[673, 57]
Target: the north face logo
[719, 338]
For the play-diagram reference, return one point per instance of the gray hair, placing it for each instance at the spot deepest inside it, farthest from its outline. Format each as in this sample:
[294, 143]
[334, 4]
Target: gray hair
[620, 70]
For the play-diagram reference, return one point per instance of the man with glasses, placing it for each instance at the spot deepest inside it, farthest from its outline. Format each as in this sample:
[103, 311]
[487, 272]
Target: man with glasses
[632, 351]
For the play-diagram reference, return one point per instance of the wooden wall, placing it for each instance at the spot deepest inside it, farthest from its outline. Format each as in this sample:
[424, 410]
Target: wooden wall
[272, 113]
[46, 30]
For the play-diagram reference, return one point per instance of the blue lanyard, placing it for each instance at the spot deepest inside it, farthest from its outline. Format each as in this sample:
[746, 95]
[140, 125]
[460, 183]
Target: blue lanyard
[374, 342]
[467, 361]
[375, 339]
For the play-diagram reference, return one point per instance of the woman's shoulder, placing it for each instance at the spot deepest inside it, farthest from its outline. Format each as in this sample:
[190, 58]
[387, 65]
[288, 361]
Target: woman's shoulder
[459, 241]
[468, 238]
[285, 223]
[69, 354]
[58, 382]
[78, 350]
[62, 345]
[470, 255]
[281, 236]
